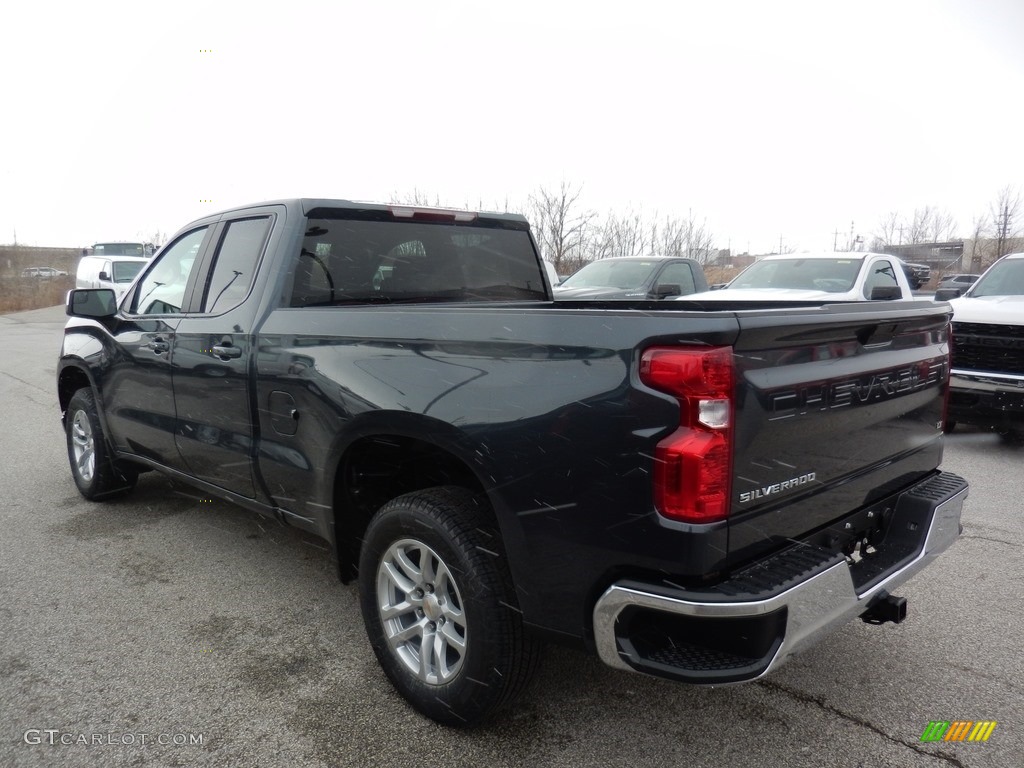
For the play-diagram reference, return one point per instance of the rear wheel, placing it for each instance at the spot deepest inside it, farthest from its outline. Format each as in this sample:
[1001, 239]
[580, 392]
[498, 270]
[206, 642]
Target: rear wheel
[95, 472]
[439, 607]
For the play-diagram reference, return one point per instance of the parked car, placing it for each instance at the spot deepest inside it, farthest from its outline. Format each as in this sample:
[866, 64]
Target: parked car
[633, 278]
[987, 376]
[917, 274]
[43, 272]
[963, 282]
[815, 277]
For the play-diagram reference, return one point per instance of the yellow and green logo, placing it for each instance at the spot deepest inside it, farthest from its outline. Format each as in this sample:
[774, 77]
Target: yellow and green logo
[958, 730]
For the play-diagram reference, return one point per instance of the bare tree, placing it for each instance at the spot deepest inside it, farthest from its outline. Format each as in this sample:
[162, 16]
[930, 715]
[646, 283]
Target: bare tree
[621, 235]
[700, 243]
[930, 225]
[927, 224]
[977, 247]
[416, 197]
[889, 227]
[943, 227]
[561, 226]
[1006, 210]
[669, 237]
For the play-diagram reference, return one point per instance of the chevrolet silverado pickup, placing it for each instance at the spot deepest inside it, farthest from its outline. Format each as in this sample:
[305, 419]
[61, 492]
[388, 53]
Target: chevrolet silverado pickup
[690, 492]
[816, 277]
[633, 278]
[987, 380]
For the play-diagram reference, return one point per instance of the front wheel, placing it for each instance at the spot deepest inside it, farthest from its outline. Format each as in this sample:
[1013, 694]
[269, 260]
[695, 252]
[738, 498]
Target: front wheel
[96, 473]
[439, 607]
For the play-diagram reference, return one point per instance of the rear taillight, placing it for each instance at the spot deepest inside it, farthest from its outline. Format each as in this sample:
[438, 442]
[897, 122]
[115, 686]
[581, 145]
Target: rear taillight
[693, 465]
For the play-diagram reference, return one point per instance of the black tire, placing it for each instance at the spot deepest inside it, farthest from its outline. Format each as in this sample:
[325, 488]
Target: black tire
[465, 594]
[96, 473]
[949, 426]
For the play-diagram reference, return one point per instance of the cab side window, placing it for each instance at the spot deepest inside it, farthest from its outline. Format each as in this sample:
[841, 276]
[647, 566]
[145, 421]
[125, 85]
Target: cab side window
[235, 265]
[162, 290]
[882, 274]
[679, 274]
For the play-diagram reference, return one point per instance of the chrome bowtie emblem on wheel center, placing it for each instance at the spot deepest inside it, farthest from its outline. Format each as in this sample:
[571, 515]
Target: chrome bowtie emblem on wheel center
[431, 607]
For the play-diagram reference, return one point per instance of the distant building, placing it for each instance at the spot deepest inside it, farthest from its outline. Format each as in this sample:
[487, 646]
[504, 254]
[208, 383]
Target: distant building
[981, 252]
[726, 258]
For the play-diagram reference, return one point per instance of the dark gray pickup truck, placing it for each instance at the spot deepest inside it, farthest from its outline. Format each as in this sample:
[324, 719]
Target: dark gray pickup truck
[691, 490]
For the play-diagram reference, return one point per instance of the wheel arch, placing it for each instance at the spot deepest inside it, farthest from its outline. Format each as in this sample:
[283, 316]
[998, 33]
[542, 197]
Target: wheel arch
[71, 377]
[380, 465]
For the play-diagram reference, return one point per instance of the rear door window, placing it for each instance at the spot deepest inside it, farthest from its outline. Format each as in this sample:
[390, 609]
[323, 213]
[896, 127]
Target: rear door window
[235, 263]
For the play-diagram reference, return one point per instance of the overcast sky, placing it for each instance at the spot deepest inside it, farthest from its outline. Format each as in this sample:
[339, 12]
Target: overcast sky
[767, 118]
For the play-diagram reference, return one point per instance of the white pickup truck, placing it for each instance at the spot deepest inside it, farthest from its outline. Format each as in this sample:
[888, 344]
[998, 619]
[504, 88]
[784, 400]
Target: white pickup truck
[816, 277]
[987, 380]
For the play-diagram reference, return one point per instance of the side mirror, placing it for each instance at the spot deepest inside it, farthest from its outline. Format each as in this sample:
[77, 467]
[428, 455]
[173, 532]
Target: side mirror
[104, 276]
[664, 290]
[886, 293]
[945, 294]
[91, 302]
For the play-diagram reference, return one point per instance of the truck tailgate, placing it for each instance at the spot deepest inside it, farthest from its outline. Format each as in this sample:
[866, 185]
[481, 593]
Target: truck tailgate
[832, 416]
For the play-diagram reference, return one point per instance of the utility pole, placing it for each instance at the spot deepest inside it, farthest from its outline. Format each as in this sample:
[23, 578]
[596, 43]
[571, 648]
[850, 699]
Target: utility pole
[901, 234]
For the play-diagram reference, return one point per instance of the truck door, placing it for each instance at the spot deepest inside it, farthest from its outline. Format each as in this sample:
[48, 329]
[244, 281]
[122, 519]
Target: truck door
[136, 388]
[211, 357]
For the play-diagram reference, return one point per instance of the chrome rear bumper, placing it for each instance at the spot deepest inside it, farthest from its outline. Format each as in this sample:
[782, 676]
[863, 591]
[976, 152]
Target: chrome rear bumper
[761, 630]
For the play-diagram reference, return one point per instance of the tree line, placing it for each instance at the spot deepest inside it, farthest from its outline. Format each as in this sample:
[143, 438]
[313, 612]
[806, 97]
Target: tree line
[571, 234]
[993, 234]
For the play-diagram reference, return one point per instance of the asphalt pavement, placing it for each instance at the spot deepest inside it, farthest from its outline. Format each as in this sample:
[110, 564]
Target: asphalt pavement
[165, 629]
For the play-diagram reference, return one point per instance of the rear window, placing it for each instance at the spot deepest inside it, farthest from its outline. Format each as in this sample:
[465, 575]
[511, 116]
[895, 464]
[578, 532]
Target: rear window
[831, 275]
[377, 259]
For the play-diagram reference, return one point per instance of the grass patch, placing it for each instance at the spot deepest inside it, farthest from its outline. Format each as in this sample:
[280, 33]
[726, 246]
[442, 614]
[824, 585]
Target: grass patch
[20, 294]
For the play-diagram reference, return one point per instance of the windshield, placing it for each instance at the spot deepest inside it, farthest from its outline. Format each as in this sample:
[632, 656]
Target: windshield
[1006, 278]
[613, 274]
[829, 275]
[125, 271]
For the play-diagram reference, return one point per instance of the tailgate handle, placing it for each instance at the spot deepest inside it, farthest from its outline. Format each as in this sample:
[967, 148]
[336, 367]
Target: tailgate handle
[876, 335]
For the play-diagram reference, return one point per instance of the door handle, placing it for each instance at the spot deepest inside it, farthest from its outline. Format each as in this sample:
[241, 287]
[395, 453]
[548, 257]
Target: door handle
[227, 351]
[158, 345]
